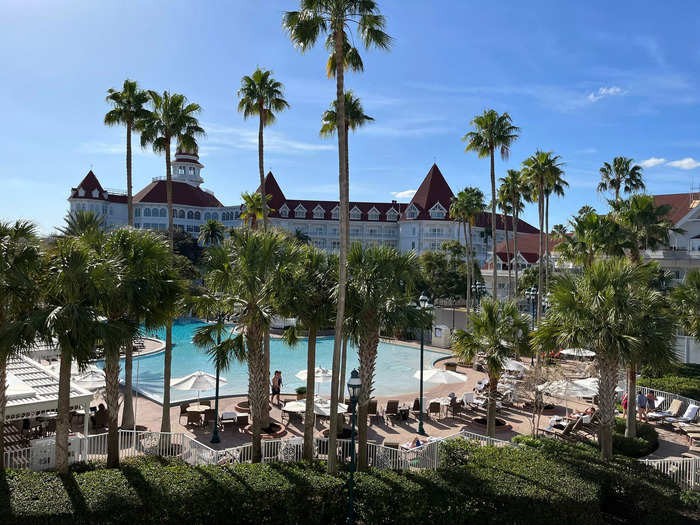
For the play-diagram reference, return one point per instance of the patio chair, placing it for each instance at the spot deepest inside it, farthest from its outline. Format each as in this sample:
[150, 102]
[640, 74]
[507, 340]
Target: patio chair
[242, 421]
[392, 408]
[690, 414]
[674, 409]
[194, 419]
[434, 408]
[371, 410]
[101, 419]
[183, 410]
[415, 409]
[210, 416]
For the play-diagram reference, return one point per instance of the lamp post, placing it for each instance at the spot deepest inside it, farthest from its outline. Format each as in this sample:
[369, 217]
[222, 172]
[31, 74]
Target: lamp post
[531, 295]
[354, 387]
[422, 305]
[478, 289]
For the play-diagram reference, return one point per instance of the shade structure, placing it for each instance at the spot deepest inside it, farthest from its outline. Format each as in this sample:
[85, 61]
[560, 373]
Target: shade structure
[565, 388]
[198, 380]
[578, 352]
[518, 366]
[440, 377]
[321, 375]
[592, 383]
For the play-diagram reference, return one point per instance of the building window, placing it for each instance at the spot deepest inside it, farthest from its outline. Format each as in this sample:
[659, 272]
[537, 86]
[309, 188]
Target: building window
[163, 212]
[335, 244]
[355, 214]
[392, 215]
[215, 216]
[154, 212]
[191, 171]
[319, 212]
[335, 214]
[437, 212]
[413, 245]
[412, 213]
[372, 232]
[147, 212]
[137, 212]
[284, 211]
[354, 232]
[207, 216]
[300, 212]
[373, 215]
[197, 215]
[180, 170]
[190, 215]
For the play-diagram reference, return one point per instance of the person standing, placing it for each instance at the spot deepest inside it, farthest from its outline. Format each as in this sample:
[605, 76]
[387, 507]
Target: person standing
[641, 406]
[276, 387]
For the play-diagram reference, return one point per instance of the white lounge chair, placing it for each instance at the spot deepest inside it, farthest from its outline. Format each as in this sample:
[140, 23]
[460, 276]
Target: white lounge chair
[673, 410]
[690, 414]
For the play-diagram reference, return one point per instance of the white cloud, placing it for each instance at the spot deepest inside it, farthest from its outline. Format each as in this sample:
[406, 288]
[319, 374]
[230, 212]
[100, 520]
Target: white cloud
[603, 92]
[687, 163]
[405, 194]
[651, 162]
[241, 138]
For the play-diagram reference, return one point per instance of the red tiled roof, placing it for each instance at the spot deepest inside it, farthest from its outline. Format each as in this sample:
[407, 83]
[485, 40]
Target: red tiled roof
[433, 189]
[528, 246]
[88, 184]
[121, 199]
[680, 204]
[183, 194]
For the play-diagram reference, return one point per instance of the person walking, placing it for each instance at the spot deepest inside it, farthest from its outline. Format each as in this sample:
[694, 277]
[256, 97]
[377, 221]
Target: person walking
[276, 387]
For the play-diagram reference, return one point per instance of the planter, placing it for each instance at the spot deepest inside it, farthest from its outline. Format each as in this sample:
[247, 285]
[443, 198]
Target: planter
[452, 367]
[501, 424]
[243, 407]
[278, 430]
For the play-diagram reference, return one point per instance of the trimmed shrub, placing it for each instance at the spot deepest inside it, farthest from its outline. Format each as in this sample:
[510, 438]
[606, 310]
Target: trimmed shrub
[681, 379]
[646, 442]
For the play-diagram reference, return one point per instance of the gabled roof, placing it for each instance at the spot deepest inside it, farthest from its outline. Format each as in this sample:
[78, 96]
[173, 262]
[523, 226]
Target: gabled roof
[681, 204]
[88, 184]
[273, 189]
[433, 189]
[528, 247]
[184, 194]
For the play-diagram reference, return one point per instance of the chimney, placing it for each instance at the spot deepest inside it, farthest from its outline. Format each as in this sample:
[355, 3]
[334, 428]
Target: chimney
[393, 202]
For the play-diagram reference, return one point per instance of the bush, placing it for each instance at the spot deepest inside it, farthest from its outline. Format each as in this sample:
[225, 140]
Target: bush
[301, 390]
[646, 442]
[545, 482]
[681, 379]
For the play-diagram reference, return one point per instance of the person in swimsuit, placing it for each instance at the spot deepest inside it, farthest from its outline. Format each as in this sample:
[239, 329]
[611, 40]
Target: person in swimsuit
[276, 387]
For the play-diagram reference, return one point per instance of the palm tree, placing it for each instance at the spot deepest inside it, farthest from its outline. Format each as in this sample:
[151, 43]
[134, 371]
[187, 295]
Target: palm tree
[559, 232]
[128, 108]
[379, 297]
[335, 17]
[538, 170]
[212, 232]
[172, 118]
[301, 237]
[611, 309]
[686, 300]
[464, 208]
[83, 223]
[516, 190]
[504, 205]
[492, 132]
[253, 208]
[71, 299]
[622, 175]
[556, 185]
[501, 332]
[308, 296]
[261, 95]
[592, 236]
[19, 299]
[254, 268]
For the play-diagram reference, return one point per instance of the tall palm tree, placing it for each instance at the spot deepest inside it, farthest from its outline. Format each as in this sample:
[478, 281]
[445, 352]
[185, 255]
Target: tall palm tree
[254, 268]
[308, 296]
[464, 208]
[71, 299]
[514, 187]
[335, 18]
[538, 170]
[611, 309]
[380, 287]
[172, 118]
[559, 232]
[253, 208]
[621, 176]
[128, 108]
[504, 205]
[686, 301]
[211, 232]
[261, 95]
[19, 299]
[556, 185]
[492, 132]
[501, 332]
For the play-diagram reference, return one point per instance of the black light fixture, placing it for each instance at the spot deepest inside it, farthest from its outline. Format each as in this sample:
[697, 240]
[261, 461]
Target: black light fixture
[354, 389]
[354, 385]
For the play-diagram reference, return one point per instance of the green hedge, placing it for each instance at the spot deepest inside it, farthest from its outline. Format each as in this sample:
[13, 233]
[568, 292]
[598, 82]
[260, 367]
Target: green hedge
[681, 379]
[544, 483]
[646, 442]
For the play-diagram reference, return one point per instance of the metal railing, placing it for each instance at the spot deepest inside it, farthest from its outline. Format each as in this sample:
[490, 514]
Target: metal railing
[668, 397]
[684, 471]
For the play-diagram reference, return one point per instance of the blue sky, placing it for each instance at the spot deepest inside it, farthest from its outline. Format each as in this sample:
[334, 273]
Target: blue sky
[589, 81]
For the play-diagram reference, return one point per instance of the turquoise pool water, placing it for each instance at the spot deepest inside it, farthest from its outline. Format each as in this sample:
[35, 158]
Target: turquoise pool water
[394, 374]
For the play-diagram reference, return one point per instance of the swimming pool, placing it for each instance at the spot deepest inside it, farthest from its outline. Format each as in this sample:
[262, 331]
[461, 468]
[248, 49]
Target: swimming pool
[394, 372]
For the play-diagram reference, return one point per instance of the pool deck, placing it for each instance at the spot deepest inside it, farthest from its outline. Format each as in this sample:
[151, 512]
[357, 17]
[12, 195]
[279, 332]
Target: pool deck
[149, 415]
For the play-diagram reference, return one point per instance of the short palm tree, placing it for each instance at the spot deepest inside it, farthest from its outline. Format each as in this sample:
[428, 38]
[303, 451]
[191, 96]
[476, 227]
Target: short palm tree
[20, 288]
[335, 18]
[83, 223]
[492, 132]
[501, 332]
[538, 170]
[559, 232]
[309, 296]
[611, 309]
[260, 94]
[171, 118]
[622, 176]
[380, 294]
[253, 208]
[686, 301]
[301, 237]
[211, 232]
[71, 300]
[128, 108]
[592, 236]
[464, 208]
[516, 190]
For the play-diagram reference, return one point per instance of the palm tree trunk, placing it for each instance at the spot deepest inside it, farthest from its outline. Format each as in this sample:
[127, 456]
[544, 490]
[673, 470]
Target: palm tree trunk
[540, 276]
[491, 414]
[505, 229]
[470, 266]
[167, 363]
[261, 167]
[129, 196]
[3, 404]
[515, 245]
[112, 398]
[342, 257]
[631, 421]
[368, 359]
[169, 193]
[343, 367]
[257, 389]
[606, 402]
[309, 416]
[265, 416]
[546, 240]
[493, 225]
[128, 410]
[63, 418]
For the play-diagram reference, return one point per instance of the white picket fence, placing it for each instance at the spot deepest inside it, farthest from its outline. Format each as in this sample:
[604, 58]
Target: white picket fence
[684, 471]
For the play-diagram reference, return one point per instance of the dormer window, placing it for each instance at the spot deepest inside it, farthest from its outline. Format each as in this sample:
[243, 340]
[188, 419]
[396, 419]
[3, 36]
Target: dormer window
[335, 214]
[95, 193]
[412, 212]
[355, 214]
[437, 211]
[392, 215]
[373, 214]
[105, 195]
[319, 212]
[284, 211]
[81, 192]
[300, 212]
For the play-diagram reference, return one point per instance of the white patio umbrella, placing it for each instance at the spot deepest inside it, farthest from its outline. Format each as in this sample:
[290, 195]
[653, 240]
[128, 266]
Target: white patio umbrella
[198, 381]
[578, 352]
[322, 407]
[440, 377]
[518, 366]
[565, 388]
[321, 375]
[92, 379]
[592, 383]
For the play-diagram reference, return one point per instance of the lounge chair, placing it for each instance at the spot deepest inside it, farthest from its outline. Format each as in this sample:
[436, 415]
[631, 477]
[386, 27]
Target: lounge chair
[569, 430]
[392, 408]
[690, 414]
[435, 408]
[468, 399]
[183, 410]
[372, 410]
[673, 410]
